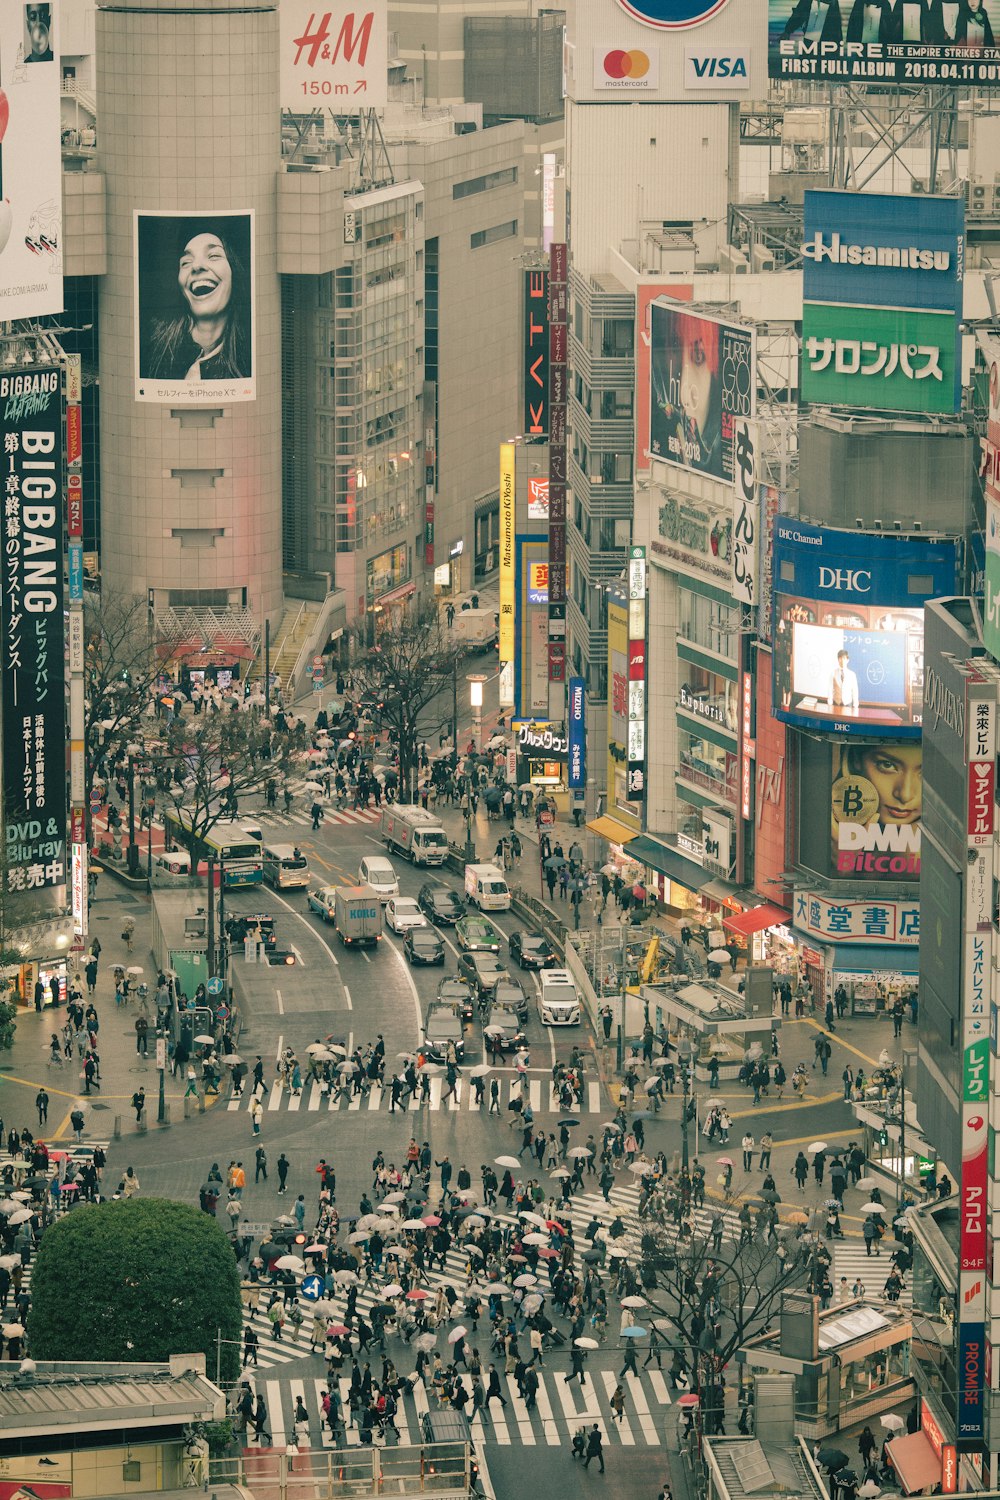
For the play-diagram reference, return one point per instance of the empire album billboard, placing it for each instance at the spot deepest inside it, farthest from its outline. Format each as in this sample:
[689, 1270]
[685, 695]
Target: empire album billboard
[194, 307]
[848, 631]
[917, 42]
[702, 377]
[31, 271]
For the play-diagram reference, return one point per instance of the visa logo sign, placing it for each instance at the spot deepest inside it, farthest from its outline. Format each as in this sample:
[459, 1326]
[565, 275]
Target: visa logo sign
[716, 68]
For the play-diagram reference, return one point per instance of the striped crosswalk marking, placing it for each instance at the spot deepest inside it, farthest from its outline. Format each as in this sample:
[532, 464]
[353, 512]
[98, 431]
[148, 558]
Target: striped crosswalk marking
[539, 1095]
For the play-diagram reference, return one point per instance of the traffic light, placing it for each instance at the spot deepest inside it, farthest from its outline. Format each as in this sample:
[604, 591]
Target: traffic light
[883, 1137]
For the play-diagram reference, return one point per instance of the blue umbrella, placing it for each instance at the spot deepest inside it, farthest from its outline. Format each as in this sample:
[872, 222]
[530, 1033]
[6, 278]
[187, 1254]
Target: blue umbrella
[635, 1332]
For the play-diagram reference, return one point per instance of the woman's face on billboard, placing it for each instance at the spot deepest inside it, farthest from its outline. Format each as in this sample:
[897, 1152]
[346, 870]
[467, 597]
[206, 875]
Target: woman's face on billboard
[696, 383]
[897, 774]
[205, 276]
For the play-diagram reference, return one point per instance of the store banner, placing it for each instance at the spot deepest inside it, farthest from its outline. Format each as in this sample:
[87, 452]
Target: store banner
[746, 512]
[536, 353]
[332, 54]
[577, 734]
[507, 565]
[32, 631]
[873, 923]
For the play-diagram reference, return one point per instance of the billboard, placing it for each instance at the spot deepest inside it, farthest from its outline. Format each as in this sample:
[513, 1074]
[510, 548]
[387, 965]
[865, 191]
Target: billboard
[635, 783]
[538, 498]
[30, 161]
[882, 293]
[338, 51]
[645, 294]
[617, 694]
[536, 356]
[991, 477]
[577, 772]
[949, 42]
[848, 631]
[870, 923]
[33, 676]
[876, 809]
[194, 307]
[664, 51]
[507, 581]
[702, 377]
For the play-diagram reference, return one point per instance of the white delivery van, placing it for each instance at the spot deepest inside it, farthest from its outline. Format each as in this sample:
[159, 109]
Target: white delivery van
[376, 871]
[285, 866]
[558, 1000]
[486, 888]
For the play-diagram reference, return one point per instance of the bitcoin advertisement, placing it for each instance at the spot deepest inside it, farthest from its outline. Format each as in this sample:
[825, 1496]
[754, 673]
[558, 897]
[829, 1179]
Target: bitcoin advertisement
[876, 806]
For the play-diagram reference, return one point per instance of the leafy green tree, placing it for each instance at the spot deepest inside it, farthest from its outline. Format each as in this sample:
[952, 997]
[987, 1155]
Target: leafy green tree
[137, 1280]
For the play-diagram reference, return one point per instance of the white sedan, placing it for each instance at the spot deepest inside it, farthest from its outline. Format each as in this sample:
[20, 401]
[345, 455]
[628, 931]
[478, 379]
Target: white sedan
[402, 912]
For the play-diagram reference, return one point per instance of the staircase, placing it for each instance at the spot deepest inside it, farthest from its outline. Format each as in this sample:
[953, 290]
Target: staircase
[297, 621]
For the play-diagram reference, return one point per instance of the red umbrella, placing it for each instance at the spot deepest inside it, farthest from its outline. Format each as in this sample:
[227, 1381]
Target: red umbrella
[689, 1400]
[418, 1295]
[548, 1253]
[431, 1220]
[554, 1224]
[337, 1329]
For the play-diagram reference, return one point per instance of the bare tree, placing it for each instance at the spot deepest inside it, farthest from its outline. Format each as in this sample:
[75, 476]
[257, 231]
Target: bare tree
[122, 660]
[715, 1290]
[406, 669]
[219, 757]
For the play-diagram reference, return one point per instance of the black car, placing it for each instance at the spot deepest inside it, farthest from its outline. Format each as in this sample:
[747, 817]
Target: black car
[509, 992]
[440, 905]
[457, 991]
[239, 925]
[482, 970]
[422, 945]
[502, 1022]
[532, 951]
[443, 1025]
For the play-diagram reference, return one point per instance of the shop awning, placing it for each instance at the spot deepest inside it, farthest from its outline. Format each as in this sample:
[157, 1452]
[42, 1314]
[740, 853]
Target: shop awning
[668, 862]
[915, 1461]
[870, 958]
[757, 920]
[609, 828]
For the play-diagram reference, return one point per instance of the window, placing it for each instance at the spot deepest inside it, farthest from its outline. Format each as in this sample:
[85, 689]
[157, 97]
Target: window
[483, 237]
[615, 404]
[705, 623]
[473, 185]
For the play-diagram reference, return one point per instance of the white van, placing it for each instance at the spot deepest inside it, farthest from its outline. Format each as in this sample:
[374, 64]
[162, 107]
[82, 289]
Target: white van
[486, 888]
[376, 871]
[169, 865]
[558, 999]
[285, 866]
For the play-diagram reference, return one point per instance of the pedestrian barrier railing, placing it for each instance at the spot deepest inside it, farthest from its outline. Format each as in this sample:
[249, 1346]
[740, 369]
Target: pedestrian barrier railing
[429, 1470]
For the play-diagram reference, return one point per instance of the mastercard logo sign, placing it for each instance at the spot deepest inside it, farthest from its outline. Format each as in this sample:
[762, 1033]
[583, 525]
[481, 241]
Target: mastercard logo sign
[633, 64]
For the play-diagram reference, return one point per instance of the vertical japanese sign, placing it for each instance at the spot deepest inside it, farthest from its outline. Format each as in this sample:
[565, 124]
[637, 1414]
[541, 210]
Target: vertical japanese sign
[980, 721]
[74, 531]
[991, 480]
[536, 353]
[746, 510]
[558, 385]
[635, 782]
[507, 580]
[577, 735]
[32, 673]
[748, 749]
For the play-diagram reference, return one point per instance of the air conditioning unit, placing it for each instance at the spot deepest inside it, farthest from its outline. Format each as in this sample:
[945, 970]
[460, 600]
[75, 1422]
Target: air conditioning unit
[979, 196]
[920, 185]
[733, 261]
[761, 258]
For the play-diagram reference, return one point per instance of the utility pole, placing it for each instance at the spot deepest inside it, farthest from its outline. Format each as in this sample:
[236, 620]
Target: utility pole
[267, 668]
[210, 945]
[161, 1067]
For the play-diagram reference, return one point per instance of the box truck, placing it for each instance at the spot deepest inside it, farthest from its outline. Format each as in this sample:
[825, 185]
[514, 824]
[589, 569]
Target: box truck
[415, 832]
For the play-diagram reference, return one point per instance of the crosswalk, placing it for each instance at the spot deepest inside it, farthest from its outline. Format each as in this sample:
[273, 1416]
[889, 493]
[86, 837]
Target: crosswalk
[850, 1260]
[559, 1409]
[343, 816]
[540, 1095]
[296, 1343]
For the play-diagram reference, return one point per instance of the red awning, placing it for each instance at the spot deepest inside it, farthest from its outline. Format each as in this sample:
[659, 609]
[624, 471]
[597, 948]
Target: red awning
[915, 1461]
[756, 920]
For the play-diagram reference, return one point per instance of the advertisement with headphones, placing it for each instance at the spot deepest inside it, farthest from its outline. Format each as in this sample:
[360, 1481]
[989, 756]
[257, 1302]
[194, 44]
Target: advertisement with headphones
[849, 626]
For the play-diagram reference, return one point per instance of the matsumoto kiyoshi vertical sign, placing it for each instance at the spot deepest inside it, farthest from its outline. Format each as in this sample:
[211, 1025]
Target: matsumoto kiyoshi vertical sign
[31, 631]
[577, 735]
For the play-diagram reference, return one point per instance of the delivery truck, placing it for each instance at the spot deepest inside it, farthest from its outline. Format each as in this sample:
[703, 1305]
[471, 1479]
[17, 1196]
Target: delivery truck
[474, 630]
[486, 888]
[415, 832]
[357, 915]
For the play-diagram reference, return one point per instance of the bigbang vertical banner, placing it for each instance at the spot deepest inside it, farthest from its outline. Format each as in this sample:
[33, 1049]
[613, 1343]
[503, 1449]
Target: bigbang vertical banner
[507, 578]
[194, 308]
[32, 673]
[30, 161]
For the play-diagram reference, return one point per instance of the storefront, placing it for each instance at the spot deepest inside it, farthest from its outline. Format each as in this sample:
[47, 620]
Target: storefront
[542, 752]
[618, 837]
[684, 886]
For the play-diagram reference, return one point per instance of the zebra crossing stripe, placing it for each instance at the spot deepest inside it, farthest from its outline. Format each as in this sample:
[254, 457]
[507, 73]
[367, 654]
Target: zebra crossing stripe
[545, 1409]
[464, 1098]
[642, 1413]
[524, 1426]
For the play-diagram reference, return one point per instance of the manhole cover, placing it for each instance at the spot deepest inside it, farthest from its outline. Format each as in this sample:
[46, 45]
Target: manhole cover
[96, 1104]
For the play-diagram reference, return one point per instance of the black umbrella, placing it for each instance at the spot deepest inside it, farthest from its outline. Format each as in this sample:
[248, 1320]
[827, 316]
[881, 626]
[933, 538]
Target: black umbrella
[591, 1255]
[770, 1195]
[569, 1122]
[556, 862]
[832, 1459]
[270, 1251]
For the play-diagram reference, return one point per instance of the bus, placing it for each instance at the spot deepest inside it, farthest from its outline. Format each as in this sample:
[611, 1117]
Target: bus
[237, 856]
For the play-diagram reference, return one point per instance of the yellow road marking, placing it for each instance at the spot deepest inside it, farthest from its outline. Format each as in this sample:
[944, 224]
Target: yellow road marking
[836, 1037]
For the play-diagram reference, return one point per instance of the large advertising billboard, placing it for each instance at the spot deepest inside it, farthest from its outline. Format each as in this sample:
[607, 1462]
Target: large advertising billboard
[849, 626]
[882, 301]
[917, 42]
[664, 51]
[702, 377]
[876, 808]
[645, 294]
[30, 161]
[33, 674]
[507, 580]
[991, 479]
[194, 308]
[334, 51]
[536, 353]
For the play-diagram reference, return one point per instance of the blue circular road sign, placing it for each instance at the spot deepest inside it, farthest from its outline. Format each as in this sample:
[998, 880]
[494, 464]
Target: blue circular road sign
[672, 15]
[312, 1288]
[214, 985]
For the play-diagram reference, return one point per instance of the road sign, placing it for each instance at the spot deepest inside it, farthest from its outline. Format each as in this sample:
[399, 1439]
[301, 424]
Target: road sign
[214, 985]
[256, 1231]
[312, 1288]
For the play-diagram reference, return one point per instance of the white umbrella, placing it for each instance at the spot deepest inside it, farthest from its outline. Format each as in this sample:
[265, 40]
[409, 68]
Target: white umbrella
[205, 1039]
[660, 1062]
[531, 1303]
[346, 1278]
[387, 1206]
[315, 1047]
[13, 1330]
[561, 1172]
[479, 1071]
[508, 1161]
[536, 1239]
[866, 1184]
[633, 1302]
[534, 1218]
[495, 1289]
[9, 1206]
[492, 1030]
[134, 970]
[870, 1489]
[392, 1290]
[10, 1261]
[525, 1279]
[431, 1069]
[650, 1084]
[474, 1250]
[584, 1343]
[231, 1059]
[893, 1421]
[315, 1249]
[640, 1167]
[289, 1263]
[284, 1219]
[474, 1221]
[617, 1252]
[457, 1333]
[817, 1146]
[425, 1342]
[872, 1208]
[576, 1152]
[347, 1067]
[20, 1217]
[357, 1238]
[413, 1224]
[334, 1047]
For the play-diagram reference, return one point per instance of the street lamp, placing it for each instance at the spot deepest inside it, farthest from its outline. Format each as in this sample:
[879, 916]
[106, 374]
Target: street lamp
[161, 1066]
[685, 1053]
[476, 681]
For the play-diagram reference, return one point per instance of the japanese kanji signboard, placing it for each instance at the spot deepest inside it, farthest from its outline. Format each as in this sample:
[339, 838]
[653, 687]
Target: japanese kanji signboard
[871, 922]
[31, 631]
